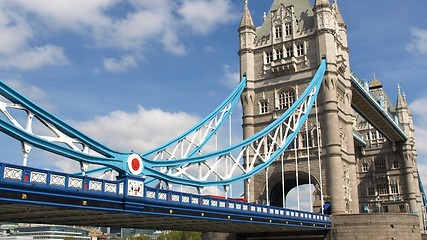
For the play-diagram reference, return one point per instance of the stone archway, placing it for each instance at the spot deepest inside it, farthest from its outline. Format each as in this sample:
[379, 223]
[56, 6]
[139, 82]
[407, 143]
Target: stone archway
[290, 180]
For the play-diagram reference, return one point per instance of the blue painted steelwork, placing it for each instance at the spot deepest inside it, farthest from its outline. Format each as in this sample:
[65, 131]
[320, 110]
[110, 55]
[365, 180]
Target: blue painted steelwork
[177, 170]
[386, 115]
[27, 185]
[292, 120]
[225, 108]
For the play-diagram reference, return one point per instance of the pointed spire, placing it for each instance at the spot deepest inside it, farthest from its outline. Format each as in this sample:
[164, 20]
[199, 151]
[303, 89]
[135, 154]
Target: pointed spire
[246, 21]
[401, 99]
[322, 3]
[375, 83]
[338, 15]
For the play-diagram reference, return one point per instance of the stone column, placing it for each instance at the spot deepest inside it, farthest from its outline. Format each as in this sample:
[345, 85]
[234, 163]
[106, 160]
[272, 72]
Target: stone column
[332, 145]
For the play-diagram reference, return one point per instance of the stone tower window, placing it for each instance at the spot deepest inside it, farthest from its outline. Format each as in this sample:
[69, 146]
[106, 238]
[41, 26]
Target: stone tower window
[278, 31]
[380, 164]
[263, 106]
[365, 167]
[288, 29]
[394, 187]
[370, 190]
[382, 188]
[304, 139]
[300, 49]
[289, 52]
[279, 54]
[395, 164]
[268, 57]
[286, 99]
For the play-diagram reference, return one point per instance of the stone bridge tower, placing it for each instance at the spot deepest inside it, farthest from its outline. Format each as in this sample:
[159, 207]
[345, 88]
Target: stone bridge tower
[362, 171]
[279, 59]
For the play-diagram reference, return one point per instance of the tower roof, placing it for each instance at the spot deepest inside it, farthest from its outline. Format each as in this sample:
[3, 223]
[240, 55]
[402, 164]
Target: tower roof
[338, 14]
[401, 100]
[375, 83]
[303, 12]
[322, 3]
[246, 20]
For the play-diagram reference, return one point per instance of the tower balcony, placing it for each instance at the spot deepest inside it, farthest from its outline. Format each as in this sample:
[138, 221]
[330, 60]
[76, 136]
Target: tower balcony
[282, 66]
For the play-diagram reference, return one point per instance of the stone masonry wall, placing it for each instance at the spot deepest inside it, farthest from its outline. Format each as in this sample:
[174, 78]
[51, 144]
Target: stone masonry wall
[375, 226]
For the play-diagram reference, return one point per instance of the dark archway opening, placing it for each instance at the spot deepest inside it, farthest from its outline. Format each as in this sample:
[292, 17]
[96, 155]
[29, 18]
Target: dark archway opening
[290, 183]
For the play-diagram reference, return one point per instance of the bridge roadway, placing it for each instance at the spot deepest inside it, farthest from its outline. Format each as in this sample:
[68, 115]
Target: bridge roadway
[29, 195]
[367, 106]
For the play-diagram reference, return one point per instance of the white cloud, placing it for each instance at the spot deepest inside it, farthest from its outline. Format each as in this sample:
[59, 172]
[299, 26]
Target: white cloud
[231, 79]
[15, 31]
[141, 24]
[31, 92]
[35, 58]
[139, 131]
[120, 65]
[419, 113]
[15, 48]
[205, 15]
[418, 44]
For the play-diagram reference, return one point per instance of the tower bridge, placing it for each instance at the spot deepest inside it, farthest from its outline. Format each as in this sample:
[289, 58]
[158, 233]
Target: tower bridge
[307, 119]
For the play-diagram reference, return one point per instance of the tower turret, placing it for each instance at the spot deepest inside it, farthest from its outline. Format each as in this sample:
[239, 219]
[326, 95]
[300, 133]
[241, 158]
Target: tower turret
[246, 53]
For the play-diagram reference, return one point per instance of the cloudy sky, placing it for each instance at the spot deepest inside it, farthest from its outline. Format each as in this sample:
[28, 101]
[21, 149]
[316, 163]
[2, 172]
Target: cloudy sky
[135, 73]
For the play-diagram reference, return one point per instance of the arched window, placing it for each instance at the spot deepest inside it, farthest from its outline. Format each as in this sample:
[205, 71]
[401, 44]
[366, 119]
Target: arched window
[286, 99]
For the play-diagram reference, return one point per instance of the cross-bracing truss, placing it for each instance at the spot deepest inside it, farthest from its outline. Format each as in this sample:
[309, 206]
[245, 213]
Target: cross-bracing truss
[181, 160]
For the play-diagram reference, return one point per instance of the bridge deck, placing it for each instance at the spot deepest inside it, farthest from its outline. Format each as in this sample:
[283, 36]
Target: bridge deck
[25, 213]
[29, 195]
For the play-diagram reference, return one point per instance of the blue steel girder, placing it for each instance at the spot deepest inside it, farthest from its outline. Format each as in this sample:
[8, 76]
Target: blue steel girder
[247, 157]
[67, 141]
[367, 106]
[193, 140]
[41, 196]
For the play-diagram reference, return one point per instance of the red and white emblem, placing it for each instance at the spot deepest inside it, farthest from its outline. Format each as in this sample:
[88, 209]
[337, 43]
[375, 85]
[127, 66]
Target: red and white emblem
[135, 164]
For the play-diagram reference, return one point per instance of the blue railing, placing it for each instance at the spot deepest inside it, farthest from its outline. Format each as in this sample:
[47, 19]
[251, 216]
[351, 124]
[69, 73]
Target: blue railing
[360, 85]
[133, 191]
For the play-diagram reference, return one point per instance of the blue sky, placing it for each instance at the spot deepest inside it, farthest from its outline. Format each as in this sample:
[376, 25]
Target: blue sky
[133, 74]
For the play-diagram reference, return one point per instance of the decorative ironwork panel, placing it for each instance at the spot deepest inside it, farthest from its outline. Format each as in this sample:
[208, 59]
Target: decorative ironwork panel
[110, 187]
[135, 188]
[38, 177]
[150, 194]
[162, 196]
[12, 173]
[75, 182]
[185, 199]
[175, 198]
[205, 202]
[214, 203]
[95, 186]
[195, 200]
[222, 204]
[57, 180]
